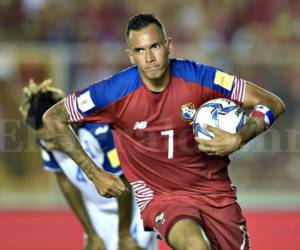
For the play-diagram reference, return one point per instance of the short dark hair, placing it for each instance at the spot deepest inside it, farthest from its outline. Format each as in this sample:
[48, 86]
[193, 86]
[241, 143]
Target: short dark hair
[141, 21]
[38, 105]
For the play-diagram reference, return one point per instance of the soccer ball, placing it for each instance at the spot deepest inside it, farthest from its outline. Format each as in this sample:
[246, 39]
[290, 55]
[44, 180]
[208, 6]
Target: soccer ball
[219, 113]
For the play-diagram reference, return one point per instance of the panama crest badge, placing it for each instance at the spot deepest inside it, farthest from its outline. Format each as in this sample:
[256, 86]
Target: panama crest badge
[188, 111]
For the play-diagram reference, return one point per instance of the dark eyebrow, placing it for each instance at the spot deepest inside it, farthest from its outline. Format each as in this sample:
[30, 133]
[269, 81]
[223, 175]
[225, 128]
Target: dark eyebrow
[157, 43]
[137, 49]
[151, 46]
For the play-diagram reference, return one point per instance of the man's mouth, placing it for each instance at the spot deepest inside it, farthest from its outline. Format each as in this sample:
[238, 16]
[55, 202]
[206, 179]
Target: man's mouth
[152, 68]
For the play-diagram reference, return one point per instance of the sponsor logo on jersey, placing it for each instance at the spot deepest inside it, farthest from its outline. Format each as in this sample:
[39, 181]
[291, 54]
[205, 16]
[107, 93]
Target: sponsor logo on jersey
[188, 111]
[160, 219]
[224, 80]
[140, 125]
[85, 102]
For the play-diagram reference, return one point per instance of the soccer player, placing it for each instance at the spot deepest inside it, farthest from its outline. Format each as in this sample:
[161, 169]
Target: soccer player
[181, 183]
[108, 223]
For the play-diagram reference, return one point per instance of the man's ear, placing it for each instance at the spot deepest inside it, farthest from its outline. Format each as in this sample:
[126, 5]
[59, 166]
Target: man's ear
[170, 47]
[130, 56]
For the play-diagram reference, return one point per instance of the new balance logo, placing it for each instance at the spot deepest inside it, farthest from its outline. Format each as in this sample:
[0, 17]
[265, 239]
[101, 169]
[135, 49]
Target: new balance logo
[140, 125]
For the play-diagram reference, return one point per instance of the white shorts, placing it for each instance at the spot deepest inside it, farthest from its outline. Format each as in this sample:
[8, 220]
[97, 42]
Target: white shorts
[106, 224]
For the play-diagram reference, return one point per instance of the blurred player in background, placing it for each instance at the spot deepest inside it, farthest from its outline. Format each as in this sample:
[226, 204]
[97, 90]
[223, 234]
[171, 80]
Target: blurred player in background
[105, 221]
[181, 182]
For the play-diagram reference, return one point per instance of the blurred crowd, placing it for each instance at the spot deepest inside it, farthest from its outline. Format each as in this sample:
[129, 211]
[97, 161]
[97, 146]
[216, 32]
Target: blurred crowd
[258, 39]
[205, 27]
[225, 21]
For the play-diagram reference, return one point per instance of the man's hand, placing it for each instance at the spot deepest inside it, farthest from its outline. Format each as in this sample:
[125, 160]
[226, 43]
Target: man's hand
[93, 242]
[223, 143]
[126, 242]
[107, 184]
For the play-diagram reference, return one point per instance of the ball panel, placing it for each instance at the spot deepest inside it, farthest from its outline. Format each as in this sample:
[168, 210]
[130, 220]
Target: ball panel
[220, 113]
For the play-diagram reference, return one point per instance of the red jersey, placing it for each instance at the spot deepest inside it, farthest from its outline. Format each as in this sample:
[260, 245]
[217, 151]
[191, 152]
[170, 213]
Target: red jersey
[155, 144]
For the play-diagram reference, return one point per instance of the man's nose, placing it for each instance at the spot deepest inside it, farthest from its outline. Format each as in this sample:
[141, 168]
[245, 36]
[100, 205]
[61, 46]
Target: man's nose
[149, 56]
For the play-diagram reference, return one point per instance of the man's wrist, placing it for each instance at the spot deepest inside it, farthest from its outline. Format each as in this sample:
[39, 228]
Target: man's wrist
[90, 169]
[92, 173]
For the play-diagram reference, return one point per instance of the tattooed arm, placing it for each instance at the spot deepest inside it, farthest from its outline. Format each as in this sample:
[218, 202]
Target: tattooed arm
[56, 119]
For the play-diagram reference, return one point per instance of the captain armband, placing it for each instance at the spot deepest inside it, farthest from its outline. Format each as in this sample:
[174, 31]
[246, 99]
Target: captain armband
[261, 111]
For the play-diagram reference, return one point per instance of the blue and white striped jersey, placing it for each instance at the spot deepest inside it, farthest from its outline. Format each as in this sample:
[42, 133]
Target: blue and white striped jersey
[97, 141]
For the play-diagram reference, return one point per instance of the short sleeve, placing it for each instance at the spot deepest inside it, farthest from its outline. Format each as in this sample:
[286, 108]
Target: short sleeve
[222, 84]
[96, 102]
[213, 82]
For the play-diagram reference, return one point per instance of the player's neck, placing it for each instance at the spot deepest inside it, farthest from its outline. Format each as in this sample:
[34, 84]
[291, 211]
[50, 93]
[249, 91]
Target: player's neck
[157, 85]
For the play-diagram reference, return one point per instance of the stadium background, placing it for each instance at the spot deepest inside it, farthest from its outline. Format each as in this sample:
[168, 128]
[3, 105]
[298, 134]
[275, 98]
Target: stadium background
[77, 42]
